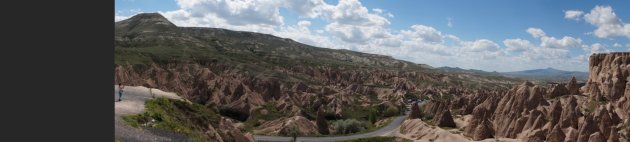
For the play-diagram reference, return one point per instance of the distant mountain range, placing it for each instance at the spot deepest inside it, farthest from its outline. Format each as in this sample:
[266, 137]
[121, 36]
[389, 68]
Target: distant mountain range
[547, 74]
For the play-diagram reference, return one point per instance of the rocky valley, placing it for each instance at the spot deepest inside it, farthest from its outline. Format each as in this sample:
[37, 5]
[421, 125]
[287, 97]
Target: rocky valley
[259, 84]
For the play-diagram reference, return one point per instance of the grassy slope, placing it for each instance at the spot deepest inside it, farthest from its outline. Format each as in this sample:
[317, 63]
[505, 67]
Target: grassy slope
[175, 115]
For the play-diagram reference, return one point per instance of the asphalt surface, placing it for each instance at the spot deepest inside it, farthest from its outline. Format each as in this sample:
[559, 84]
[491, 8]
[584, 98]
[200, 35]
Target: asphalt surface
[133, 103]
[384, 131]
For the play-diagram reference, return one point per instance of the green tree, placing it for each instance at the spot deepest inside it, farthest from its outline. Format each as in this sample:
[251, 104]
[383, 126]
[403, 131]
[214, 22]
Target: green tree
[322, 124]
[293, 131]
[391, 111]
[372, 117]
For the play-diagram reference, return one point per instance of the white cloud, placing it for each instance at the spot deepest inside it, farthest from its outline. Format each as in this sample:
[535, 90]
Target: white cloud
[415, 47]
[120, 18]
[541, 54]
[307, 8]
[480, 46]
[187, 19]
[378, 10]
[450, 22]
[302, 33]
[552, 42]
[535, 54]
[390, 15]
[352, 12]
[423, 33]
[573, 14]
[596, 48]
[119, 15]
[304, 23]
[353, 34]
[536, 32]
[550, 49]
[616, 45]
[236, 12]
[350, 21]
[607, 22]
[517, 45]
[564, 42]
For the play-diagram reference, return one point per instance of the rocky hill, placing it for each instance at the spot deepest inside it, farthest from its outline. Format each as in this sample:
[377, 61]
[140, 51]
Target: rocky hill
[257, 78]
[598, 111]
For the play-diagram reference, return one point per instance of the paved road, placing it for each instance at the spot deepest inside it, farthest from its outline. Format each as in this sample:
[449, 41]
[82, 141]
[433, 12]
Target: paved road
[133, 103]
[380, 132]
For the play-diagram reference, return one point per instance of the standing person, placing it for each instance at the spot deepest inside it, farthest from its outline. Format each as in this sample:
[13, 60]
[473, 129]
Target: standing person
[151, 92]
[120, 91]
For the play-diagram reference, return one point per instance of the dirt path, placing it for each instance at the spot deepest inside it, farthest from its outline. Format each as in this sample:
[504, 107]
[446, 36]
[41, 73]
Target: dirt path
[133, 103]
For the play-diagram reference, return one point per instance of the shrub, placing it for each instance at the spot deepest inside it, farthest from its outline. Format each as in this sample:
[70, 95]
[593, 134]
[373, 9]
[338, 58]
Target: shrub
[373, 116]
[390, 111]
[227, 111]
[175, 115]
[348, 126]
[427, 117]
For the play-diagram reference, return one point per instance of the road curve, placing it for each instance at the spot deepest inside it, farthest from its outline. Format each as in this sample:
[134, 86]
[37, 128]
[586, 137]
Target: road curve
[382, 131]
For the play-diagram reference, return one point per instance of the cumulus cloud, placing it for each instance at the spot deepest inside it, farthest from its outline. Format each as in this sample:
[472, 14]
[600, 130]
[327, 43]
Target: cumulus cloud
[302, 33]
[541, 54]
[596, 48]
[552, 42]
[573, 14]
[307, 8]
[517, 45]
[236, 12]
[422, 33]
[378, 10]
[355, 34]
[607, 22]
[536, 32]
[349, 20]
[185, 18]
[616, 45]
[550, 48]
[304, 23]
[480, 46]
[450, 22]
[564, 42]
[390, 15]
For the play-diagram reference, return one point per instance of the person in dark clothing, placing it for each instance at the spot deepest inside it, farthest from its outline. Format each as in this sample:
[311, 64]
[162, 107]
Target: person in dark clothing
[120, 91]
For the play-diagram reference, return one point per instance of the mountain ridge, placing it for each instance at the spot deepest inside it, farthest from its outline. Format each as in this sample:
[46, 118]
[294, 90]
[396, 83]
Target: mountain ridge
[548, 74]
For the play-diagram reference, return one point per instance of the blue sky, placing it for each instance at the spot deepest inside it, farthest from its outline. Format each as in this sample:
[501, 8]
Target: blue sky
[491, 35]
